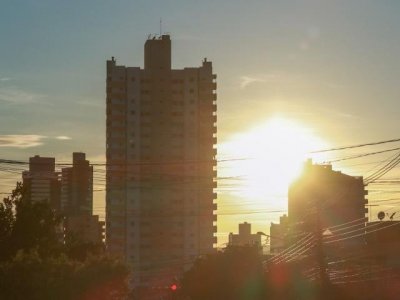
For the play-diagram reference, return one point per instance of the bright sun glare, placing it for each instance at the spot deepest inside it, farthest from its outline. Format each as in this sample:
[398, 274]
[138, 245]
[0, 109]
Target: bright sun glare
[265, 160]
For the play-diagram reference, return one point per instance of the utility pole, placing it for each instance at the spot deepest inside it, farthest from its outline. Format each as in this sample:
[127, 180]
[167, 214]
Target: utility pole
[320, 255]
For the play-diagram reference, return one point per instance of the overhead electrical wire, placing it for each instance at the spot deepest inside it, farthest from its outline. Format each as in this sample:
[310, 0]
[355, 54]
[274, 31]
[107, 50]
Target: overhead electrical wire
[356, 146]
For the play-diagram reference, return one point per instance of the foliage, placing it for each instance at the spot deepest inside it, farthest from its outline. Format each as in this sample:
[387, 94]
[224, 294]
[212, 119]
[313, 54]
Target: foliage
[35, 262]
[235, 273]
[25, 225]
[238, 273]
[77, 249]
[28, 276]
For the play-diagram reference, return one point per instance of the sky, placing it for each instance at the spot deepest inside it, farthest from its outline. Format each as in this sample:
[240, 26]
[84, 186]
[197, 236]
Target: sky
[329, 67]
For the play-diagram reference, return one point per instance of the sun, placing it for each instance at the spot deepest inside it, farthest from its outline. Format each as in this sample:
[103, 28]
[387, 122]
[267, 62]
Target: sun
[258, 165]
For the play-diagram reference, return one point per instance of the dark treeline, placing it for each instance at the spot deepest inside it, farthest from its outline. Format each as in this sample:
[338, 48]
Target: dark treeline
[36, 262]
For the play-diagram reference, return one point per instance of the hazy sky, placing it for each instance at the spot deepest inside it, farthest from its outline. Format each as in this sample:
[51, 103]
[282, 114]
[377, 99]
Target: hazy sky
[331, 65]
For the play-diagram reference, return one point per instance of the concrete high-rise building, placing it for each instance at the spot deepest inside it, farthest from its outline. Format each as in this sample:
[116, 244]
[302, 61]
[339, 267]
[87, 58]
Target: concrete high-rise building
[326, 198]
[42, 181]
[322, 199]
[77, 186]
[77, 201]
[161, 164]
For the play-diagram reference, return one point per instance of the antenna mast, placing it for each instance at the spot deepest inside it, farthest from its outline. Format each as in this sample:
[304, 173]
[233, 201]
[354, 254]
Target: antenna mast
[160, 26]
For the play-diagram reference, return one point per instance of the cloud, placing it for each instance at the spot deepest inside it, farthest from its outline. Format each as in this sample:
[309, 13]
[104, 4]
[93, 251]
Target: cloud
[247, 80]
[273, 77]
[91, 102]
[285, 79]
[346, 115]
[21, 141]
[63, 137]
[17, 96]
[5, 78]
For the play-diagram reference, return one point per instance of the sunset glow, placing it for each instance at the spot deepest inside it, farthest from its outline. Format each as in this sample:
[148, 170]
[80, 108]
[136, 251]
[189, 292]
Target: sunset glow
[266, 158]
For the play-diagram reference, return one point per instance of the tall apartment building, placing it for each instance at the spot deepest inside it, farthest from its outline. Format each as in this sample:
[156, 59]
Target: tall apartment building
[332, 197]
[77, 186]
[161, 165]
[322, 198]
[42, 181]
[77, 201]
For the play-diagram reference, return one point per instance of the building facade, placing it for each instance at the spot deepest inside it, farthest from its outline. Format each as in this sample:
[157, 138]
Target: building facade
[278, 234]
[322, 197]
[77, 202]
[161, 164]
[42, 181]
[77, 186]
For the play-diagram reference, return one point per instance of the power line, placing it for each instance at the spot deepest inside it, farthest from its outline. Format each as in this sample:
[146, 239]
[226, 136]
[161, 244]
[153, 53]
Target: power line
[356, 146]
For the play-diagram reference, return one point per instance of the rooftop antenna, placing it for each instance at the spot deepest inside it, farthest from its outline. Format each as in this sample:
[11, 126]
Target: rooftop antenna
[160, 26]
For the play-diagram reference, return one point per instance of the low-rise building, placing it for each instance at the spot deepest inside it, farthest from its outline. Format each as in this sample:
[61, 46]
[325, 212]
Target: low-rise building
[245, 237]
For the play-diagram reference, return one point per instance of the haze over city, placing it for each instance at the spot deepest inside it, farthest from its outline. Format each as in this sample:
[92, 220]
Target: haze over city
[292, 78]
[326, 69]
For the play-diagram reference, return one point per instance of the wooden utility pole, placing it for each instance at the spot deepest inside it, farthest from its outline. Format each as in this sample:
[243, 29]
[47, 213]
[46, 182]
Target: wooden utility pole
[320, 255]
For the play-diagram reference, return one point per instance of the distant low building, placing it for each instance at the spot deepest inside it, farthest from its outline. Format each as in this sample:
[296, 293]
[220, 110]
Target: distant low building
[245, 237]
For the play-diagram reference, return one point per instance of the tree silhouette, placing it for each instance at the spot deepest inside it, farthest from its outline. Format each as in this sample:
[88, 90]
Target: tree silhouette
[27, 225]
[36, 262]
[235, 273]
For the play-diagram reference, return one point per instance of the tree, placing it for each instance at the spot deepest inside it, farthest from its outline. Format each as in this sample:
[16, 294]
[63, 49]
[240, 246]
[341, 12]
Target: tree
[26, 225]
[35, 263]
[78, 249]
[29, 276]
[7, 220]
[235, 273]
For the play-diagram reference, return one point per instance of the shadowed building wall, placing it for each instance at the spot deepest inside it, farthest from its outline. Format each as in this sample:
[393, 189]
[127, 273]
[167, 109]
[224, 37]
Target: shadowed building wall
[330, 196]
[42, 181]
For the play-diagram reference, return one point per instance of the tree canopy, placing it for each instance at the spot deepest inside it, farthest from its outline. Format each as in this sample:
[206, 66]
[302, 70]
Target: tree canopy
[36, 262]
[235, 273]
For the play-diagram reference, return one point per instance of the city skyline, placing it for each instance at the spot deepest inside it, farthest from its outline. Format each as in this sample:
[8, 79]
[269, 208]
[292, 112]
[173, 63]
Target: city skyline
[330, 76]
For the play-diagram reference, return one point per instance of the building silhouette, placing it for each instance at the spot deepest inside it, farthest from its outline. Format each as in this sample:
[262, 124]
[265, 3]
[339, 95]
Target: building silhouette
[77, 186]
[77, 202]
[70, 194]
[322, 198]
[332, 196]
[161, 166]
[42, 181]
[278, 233]
[245, 237]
